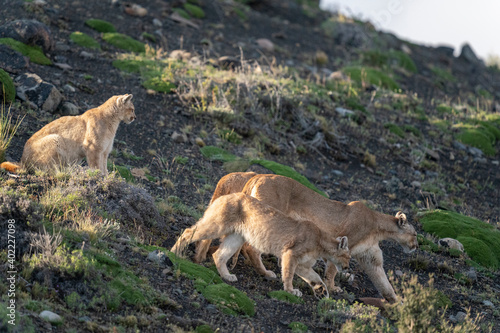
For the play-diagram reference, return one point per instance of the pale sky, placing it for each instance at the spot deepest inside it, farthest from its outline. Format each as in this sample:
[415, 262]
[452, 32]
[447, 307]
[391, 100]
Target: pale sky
[432, 22]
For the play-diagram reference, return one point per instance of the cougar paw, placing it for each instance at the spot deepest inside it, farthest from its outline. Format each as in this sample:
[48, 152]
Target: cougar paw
[230, 277]
[296, 292]
[320, 291]
[270, 275]
[336, 290]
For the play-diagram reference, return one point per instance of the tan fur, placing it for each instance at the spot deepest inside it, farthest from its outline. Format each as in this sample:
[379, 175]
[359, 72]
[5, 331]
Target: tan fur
[364, 227]
[231, 183]
[241, 218]
[68, 140]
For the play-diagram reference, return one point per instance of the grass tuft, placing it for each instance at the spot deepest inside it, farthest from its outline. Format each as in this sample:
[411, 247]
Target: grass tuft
[7, 88]
[84, 40]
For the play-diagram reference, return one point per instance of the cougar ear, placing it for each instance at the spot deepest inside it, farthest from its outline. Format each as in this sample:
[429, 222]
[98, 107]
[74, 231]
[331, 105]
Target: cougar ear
[343, 243]
[124, 99]
[401, 219]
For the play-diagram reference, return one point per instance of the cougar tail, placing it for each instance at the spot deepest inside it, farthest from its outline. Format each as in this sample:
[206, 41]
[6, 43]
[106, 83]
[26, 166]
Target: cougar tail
[10, 167]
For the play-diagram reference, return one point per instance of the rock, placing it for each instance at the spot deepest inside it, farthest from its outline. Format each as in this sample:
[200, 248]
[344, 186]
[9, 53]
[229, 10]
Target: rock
[157, 23]
[431, 174]
[179, 137]
[471, 275]
[70, 109]
[51, 317]
[406, 49]
[481, 160]
[398, 273]
[451, 243]
[180, 55]
[84, 319]
[199, 141]
[157, 256]
[11, 60]
[211, 308]
[416, 184]
[338, 76]
[459, 145]
[445, 50]
[344, 112]
[488, 304]
[30, 32]
[135, 9]
[452, 156]
[393, 185]
[432, 153]
[265, 44]
[338, 173]
[31, 88]
[497, 163]
[69, 88]
[87, 55]
[62, 47]
[475, 151]
[350, 34]
[460, 316]
[468, 55]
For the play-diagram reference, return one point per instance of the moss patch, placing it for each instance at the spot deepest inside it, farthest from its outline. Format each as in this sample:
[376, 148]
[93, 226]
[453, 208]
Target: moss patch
[481, 240]
[84, 40]
[160, 84]
[124, 172]
[217, 154]
[32, 52]
[369, 75]
[7, 88]
[395, 129]
[195, 271]
[182, 13]
[100, 25]
[124, 42]
[229, 299]
[194, 10]
[285, 296]
[482, 135]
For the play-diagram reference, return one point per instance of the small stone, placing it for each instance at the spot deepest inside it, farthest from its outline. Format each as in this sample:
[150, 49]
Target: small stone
[475, 151]
[460, 316]
[451, 243]
[69, 88]
[151, 92]
[84, 319]
[416, 184]
[265, 44]
[87, 55]
[51, 317]
[495, 163]
[211, 308]
[157, 23]
[338, 173]
[452, 156]
[488, 304]
[481, 160]
[70, 109]
[166, 271]
[431, 174]
[62, 47]
[135, 10]
[398, 272]
[344, 112]
[472, 275]
[179, 137]
[199, 141]
[432, 153]
[157, 256]
[459, 145]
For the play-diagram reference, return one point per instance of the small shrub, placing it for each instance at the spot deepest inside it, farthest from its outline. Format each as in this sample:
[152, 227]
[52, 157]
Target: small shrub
[124, 42]
[100, 25]
[84, 40]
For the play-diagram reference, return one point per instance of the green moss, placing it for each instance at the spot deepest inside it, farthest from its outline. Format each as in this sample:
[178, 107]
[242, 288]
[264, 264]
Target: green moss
[194, 10]
[124, 171]
[182, 13]
[412, 129]
[195, 271]
[159, 84]
[33, 53]
[217, 154]
[395, 129]
[229, 299]
[124, 42]
[100, 25]
[426, 244]
[204, 329]
[369, 75]
[443, 108]
[297, 327]
[285, 296]
[84, 40]
[477, 136]
[149, 37]
[7, 88]
[404, 61]
[481, 240]
[289, 172]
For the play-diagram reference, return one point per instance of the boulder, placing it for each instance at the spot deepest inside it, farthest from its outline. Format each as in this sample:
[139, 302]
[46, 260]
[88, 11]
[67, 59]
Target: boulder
[51, 317]
[11, 60]
[30, 32]
[31, 88]
[468, 55]
[265, 44]
[451, 243]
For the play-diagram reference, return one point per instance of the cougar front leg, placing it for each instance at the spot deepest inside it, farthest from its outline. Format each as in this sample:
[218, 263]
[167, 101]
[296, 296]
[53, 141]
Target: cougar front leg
[372, 263]
[255, 258]
[288, 266]
[226, 250]
[313, 279]
[330, 273]
[201, 250]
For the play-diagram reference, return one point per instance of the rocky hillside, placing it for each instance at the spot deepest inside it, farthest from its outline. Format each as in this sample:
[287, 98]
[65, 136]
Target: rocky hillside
[221, 86]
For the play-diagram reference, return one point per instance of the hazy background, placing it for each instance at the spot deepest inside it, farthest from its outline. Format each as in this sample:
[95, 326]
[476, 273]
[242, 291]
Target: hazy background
[432, 22]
